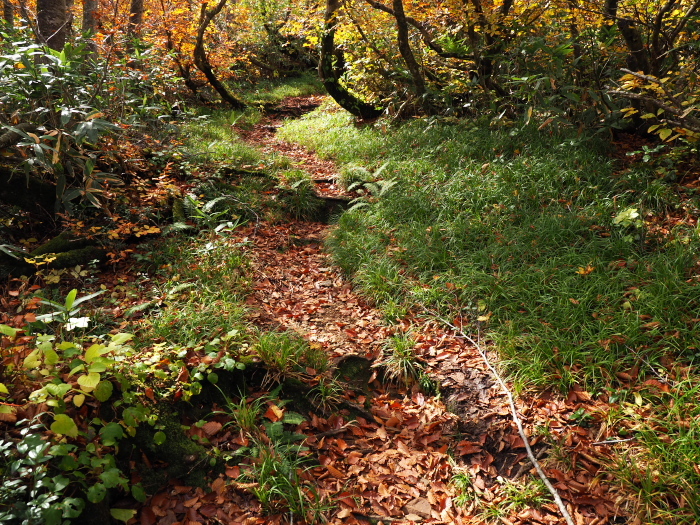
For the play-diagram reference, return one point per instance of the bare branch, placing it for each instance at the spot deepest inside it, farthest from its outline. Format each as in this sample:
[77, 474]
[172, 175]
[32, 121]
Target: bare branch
[516, 419]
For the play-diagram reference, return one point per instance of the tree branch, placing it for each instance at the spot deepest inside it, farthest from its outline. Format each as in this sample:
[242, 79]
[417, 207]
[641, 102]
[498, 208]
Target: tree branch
[516, 419]
[423, 30]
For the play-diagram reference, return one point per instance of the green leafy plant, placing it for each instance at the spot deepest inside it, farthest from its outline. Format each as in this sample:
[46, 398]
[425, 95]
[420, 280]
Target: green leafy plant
[463, 485]
[51, 478]
[327, 394]
[631, 225]
[279, 470]
[55, 98]
[244, 414]
[370, 187]
[284, 353]
[210, 215]
[66, 314]
[30, 492]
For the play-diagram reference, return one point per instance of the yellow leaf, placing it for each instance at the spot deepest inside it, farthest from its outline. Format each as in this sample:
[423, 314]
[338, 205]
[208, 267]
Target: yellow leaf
[638, 399]
[664, 133]
[78, 400]
[585, 271]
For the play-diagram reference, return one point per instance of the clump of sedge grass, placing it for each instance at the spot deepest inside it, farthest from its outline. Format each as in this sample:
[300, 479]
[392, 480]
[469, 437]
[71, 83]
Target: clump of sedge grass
[399, 359]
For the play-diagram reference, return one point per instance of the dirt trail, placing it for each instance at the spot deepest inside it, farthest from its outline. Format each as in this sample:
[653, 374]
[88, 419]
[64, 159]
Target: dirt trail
[396, 466]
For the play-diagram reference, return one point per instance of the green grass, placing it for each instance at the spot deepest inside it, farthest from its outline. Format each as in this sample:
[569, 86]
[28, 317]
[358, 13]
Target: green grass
[212, 137]
[298, 196]
[664, 466]
[287, 353]
[519, 227]
[213, 305]
[272, 91]
[400, 359]
[521, 222]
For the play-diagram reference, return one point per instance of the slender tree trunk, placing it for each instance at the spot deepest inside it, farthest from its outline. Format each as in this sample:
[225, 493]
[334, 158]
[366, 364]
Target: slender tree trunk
[201, 60]
[52, 19]
[135, 20]
[184, 69]
[69, 19]
[330, 68]
[8, 12]
[575, 37]
[638, 59]
[486, 47]
[405, 48]
[89, 23]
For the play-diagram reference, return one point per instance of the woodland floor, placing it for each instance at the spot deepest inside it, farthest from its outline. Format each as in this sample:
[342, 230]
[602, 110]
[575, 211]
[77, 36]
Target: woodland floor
[396, 466]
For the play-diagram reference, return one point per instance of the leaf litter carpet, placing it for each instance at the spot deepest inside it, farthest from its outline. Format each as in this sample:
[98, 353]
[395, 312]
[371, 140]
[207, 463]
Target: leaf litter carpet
[395, 463]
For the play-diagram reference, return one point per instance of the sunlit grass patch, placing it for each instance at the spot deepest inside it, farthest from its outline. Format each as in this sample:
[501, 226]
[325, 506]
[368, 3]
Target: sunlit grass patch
[213, 137]
[288, 354]
[271, 91]
[400, 360]
[662, 465]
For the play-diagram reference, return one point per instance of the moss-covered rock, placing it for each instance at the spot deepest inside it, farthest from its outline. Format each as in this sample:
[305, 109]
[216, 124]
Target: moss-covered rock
[63, 242]
[78, 257]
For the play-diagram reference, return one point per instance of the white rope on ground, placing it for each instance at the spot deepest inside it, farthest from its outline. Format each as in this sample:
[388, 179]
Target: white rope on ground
[553, 491]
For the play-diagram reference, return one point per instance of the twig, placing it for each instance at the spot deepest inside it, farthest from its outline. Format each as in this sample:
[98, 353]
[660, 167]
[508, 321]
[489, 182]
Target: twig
[516, 419]
[335, 431]
[613, 441]
[522, 467]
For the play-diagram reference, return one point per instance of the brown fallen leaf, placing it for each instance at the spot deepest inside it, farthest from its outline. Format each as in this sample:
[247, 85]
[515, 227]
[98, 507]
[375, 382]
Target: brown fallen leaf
[274, 413]
[418, 506]
[335, 472]
[212, 427]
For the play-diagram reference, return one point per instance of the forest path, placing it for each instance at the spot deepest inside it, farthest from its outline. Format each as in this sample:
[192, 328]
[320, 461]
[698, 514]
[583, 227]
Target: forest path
[396, 464]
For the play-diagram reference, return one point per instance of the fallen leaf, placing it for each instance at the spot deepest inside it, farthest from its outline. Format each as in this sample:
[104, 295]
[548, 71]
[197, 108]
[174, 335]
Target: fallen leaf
[274, 413]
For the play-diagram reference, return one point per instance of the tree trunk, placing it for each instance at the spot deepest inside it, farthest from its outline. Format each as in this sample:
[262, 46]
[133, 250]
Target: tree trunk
[330, 68]
[201, 60]
[8, 12]
[639, 57]
[90, 9]
[134, 28]
[52, 19]
[89, 23]
[183, 69]
[69, 20]
[405, 48]
[135, 16]
[486, 47]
